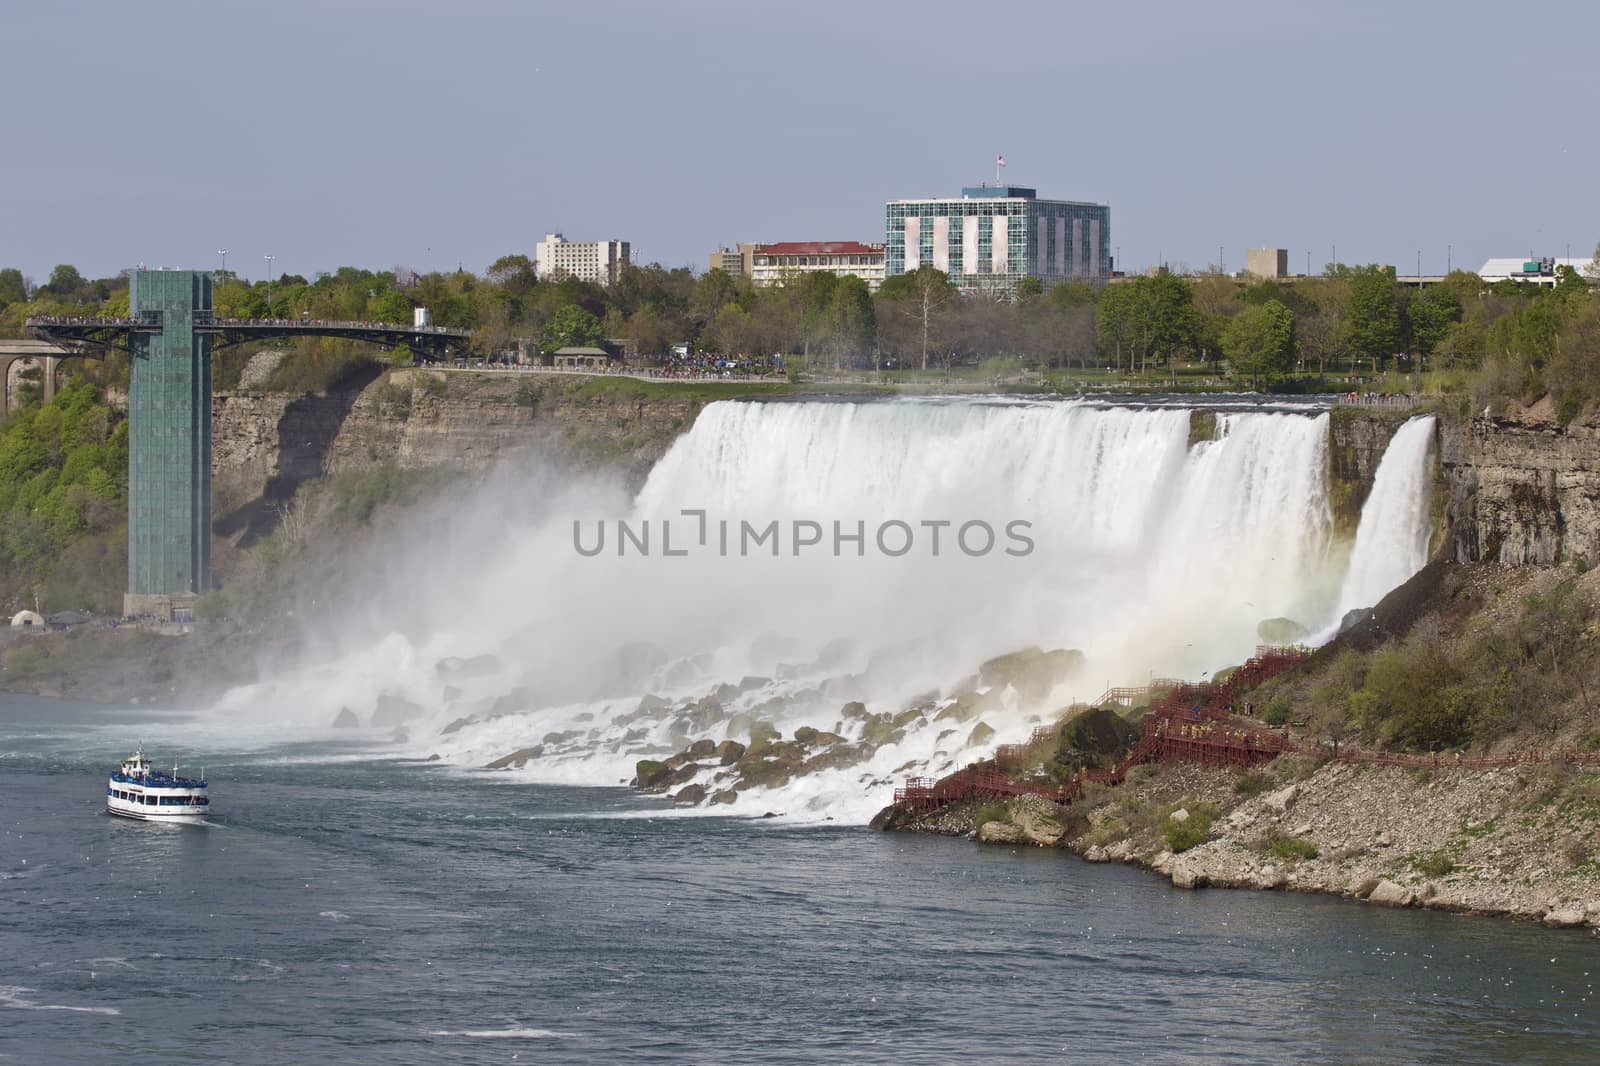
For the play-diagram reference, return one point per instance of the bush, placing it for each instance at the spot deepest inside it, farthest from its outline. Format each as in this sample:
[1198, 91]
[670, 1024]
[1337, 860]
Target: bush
[1279, 711]
[1436, 865]
[1192, 831]
[1290, 849]
[990, 812]
[1252, 784]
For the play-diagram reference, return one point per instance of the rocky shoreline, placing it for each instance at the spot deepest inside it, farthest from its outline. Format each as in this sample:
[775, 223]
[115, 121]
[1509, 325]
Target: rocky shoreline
[1518, 842]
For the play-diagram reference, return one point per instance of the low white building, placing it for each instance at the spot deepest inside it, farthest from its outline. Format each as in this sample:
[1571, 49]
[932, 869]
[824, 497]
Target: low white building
[597, 261]
[1533, 270]
[772, 264]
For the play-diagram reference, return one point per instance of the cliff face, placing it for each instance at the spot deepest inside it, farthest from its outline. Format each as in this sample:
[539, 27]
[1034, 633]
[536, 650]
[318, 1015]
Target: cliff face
[266, 444]
[1524, 492]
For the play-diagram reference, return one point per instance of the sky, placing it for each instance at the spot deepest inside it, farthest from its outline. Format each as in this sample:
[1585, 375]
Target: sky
[434, 135]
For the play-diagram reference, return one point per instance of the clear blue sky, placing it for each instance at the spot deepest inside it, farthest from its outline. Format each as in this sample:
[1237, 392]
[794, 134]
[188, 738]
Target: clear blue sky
[431, 134]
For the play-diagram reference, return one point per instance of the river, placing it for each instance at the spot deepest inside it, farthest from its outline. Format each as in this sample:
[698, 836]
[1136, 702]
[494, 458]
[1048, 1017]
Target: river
[347, 907]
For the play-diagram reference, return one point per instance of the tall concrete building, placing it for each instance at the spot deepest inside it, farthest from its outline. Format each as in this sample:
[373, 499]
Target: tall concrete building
[169, 443]
[1267, 263]
[596, 261]
[992, 236]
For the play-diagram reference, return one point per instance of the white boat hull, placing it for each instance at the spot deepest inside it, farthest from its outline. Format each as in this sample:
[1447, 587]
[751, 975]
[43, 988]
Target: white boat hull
[128, 811]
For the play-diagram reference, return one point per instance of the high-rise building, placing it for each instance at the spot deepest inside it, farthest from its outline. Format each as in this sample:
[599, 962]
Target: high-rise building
[773, 264]
[596, 261]
[992, 236]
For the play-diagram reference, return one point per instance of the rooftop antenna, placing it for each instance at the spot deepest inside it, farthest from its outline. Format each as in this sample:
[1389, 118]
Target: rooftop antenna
[999, 163]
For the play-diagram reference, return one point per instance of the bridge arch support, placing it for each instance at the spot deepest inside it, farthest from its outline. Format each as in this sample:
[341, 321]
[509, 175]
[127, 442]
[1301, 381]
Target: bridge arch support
[12, 367]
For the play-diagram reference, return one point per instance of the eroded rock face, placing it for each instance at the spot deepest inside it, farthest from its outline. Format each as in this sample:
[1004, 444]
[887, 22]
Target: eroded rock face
[998, 832]
[1036, 822]
[1522, 491]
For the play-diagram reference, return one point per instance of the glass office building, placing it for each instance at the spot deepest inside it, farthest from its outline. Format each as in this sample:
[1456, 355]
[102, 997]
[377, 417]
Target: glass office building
[993, 236]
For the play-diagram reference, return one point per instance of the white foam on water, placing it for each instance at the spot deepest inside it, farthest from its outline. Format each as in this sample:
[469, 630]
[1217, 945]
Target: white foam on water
[12, 997]
[503, 1034]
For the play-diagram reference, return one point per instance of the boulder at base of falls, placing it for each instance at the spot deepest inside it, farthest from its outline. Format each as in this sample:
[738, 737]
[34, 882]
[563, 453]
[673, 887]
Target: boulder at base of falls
[1097, 737]
[706, 713]
[703, 748]
[838, 757]
[394, 709]
[346, 719]
[880, 729]
[727, 795]
[970, 705]
[650, 775]
[981, 733]
[729, 752]
[517, 759]
[455, 726]
[998, 832]
[1034, 818]
[695, 794]
[1280, 631]
[1033, 672]
[1389, 894]
[1354, 618]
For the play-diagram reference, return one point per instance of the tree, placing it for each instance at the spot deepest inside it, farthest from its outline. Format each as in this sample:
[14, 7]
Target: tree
[570, 327]
[13, 290]
[851, 328]
[922, 296]
[1258, 341]
[515, 273]
[67, 284]
[1150, 316]
[1432, 313]
[1374, 314]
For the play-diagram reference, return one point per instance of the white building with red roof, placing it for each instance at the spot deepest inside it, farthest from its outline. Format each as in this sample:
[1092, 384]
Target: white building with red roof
[774, 264]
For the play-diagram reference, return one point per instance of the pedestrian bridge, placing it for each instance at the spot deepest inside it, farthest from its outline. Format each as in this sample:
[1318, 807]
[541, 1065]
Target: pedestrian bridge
[169, 337]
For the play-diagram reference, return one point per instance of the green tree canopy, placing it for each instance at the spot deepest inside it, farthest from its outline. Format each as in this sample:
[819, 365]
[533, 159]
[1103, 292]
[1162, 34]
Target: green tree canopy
[1259, 340]
[1373, 312]
[570, 327]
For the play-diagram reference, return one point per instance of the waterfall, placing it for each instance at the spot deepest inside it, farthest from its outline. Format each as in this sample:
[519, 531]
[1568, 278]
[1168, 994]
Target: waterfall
[1101, 529]
[1392, 538]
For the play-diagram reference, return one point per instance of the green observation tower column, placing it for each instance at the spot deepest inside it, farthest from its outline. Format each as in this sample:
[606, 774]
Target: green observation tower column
[169, 453]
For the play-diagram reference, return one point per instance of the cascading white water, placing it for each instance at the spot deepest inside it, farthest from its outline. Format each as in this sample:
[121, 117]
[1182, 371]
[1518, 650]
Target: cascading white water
[1392, 538]
[1148, 554]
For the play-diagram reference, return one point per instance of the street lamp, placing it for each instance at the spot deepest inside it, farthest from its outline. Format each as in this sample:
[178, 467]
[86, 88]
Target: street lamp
[224, 253]
[269, 259]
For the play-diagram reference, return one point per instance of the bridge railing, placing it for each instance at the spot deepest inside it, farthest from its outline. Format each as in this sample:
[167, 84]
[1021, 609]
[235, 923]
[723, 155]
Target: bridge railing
[326, 323]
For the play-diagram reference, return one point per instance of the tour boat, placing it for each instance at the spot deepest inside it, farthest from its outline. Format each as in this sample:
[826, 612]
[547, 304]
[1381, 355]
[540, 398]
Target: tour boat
[140, 791]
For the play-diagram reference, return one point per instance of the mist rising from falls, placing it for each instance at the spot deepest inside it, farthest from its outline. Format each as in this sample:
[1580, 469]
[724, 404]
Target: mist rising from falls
[1392, 539]
[1150, 554]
